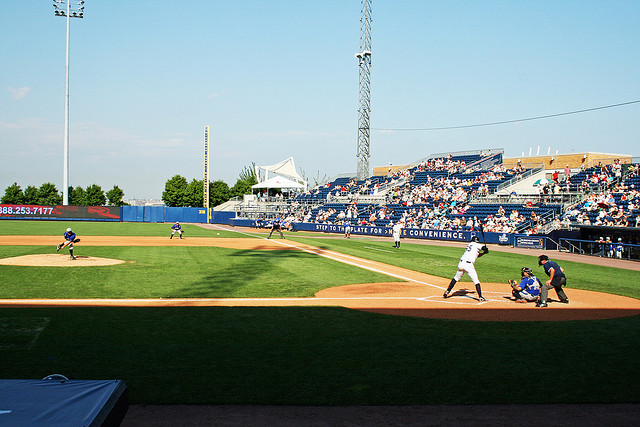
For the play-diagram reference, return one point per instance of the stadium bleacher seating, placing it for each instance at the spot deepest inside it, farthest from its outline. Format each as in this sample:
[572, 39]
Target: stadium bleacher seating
[470, 181]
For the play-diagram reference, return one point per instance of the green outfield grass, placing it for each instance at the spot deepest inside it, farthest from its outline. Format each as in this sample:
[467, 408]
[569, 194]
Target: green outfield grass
[97, 228]
[180, 272]
[301, 355]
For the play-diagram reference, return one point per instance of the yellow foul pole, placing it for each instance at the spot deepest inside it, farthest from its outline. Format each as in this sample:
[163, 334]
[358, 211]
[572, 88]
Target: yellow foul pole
[206, 173]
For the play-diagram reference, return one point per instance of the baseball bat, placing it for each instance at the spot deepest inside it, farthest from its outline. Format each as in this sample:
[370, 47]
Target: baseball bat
[482, 232]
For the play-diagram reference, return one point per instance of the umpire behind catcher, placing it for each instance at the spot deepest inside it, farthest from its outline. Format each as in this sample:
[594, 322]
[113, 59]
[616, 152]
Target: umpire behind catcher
[556, 280]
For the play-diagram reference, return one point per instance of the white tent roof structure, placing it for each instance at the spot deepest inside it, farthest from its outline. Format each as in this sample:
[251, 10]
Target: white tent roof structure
[278, 182]
[284, 169]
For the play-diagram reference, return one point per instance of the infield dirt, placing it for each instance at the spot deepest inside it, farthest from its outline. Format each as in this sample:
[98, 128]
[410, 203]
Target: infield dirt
[418, 295]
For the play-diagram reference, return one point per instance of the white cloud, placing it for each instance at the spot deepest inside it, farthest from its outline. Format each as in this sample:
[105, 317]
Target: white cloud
[19, 93]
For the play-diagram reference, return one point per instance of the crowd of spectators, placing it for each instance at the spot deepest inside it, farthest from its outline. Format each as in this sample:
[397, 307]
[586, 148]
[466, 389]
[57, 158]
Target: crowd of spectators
[619, 206]
[442, 202]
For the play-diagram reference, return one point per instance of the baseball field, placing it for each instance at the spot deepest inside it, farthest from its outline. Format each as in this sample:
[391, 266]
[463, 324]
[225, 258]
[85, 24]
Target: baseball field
[225, 316]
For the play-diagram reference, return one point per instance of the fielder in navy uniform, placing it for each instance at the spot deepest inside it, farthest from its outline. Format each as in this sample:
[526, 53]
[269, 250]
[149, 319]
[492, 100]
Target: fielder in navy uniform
[176, 228]
[69, 239]
[474, 250]
[556, 281]
[275, 226]
[528, 290]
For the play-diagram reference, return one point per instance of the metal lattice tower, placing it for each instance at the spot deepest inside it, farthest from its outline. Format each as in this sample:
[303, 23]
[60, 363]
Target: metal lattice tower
[364, 97]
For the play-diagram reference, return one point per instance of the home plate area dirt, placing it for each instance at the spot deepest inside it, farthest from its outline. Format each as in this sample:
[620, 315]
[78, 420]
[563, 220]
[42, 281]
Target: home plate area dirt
[419, 294]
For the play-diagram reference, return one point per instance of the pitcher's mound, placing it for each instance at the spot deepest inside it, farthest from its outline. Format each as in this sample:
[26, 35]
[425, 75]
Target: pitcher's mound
[58, 260]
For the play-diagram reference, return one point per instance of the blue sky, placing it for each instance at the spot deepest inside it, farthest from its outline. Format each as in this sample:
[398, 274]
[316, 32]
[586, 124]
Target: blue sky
[278, 78]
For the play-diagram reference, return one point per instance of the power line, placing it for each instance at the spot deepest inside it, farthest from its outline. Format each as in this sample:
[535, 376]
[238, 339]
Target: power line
[511, 121]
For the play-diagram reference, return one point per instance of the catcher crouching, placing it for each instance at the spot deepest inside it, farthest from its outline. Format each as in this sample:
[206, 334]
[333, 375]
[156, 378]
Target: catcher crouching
[528, 290]
[69, 239]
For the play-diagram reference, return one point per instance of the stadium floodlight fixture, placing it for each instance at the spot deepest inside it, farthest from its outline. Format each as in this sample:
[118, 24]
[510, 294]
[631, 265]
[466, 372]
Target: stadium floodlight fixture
[68, 9]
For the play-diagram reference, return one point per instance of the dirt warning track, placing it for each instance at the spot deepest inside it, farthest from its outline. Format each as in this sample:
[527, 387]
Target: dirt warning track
[418, 294]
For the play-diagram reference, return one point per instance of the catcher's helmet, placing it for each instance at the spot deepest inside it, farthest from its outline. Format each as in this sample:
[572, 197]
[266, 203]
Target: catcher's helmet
[68, 230]
[475, 239]
[542, 258]
[525, 270]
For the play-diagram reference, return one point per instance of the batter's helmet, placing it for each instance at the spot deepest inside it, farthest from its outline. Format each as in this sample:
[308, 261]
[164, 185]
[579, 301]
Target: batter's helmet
[542, 258]
[525, 270]
[475, 239]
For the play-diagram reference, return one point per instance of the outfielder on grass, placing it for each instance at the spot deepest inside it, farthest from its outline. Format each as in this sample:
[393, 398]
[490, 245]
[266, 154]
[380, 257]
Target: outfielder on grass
[69, 239]
[474, 250]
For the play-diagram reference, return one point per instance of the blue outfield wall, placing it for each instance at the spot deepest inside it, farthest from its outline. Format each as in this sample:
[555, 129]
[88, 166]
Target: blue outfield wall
[163, 214]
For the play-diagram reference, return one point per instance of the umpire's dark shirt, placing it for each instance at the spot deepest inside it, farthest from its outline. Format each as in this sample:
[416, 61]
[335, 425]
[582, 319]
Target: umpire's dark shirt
[557, 271]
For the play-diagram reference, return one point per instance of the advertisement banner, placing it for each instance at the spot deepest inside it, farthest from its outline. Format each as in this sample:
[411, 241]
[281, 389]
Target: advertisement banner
[531, 242]
[412, 233]
[105, 213]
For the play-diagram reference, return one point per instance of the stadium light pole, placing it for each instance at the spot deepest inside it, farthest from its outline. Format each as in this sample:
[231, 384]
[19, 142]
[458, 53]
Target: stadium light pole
[364, 91]
[63, 8]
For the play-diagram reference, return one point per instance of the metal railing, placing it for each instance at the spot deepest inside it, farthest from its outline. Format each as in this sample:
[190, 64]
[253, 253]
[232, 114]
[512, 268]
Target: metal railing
[463, 153]
[600, 249]
[538, 200]
[526, 174]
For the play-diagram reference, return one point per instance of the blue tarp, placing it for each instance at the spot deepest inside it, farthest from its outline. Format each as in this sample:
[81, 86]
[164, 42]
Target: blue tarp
[58, 403]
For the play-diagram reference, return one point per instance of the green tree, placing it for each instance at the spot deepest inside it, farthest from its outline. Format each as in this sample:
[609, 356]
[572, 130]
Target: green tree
[194, 194]
[242, 187]
[248, 173]
[48, 195]
[77, 196]
[218, 193]
[246, 179]
[95, 196]
[174, 193]
[31, 195]
[13, 195]
[115, 196]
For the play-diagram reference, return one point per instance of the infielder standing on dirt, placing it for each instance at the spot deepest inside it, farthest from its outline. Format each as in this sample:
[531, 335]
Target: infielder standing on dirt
[397, 231]
[69, 239]
[176, 228]
[556, 280]
[275, 226]
[474, 250]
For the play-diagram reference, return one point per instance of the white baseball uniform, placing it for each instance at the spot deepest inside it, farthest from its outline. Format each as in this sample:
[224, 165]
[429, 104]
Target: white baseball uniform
[397, 230]
[467, 260]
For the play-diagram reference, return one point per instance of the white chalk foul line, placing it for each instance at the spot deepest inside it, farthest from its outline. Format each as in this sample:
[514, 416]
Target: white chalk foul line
[343, 258]
[134, 301]
[454, 300]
